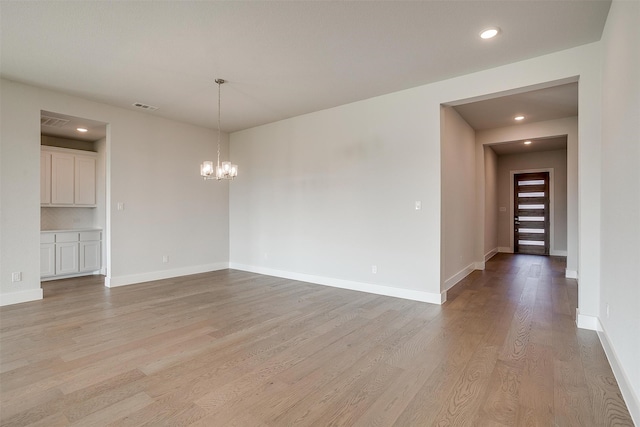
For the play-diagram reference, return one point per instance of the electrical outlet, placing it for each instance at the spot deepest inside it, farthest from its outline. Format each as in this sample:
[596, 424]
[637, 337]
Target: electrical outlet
[120, 206]
[165, 259]
[16, 277]
[418, 205]
[374, 269]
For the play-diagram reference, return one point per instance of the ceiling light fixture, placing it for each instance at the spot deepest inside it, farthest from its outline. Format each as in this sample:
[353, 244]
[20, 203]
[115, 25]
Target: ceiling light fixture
[83, 130]
[518, 118]
[527, 142]
[224, 170]
[489, 33]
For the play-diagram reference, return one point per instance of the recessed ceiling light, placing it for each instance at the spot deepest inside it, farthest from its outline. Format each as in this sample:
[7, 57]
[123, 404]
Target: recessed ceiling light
[83, 130]
[518, 118]
[527, 142]
[489, 33]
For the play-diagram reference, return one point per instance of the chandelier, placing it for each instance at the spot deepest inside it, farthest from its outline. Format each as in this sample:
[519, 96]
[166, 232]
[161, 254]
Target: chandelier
[224, 170]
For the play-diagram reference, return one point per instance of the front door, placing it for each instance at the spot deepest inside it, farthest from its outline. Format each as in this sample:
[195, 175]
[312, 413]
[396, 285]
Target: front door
[531, 213]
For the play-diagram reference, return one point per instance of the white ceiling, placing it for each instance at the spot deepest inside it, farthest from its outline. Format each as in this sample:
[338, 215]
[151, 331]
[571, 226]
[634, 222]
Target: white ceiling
[539, 144]
[281, 59]
[537, 105]
[68, 126]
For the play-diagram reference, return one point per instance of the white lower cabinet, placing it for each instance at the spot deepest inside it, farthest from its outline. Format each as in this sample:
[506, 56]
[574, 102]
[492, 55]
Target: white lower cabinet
[47, 259]
[90, 254]
[67, 261]
[70, 253]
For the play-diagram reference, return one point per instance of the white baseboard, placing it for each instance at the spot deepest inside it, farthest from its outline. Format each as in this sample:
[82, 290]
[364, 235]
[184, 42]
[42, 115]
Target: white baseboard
[571, 274]
[20, 297]
[630, 398]
[451, 281]
[491, 254]
[112, 282]
[508, 250]
[584, 321]
[554, 252]
[480, 265]
[389, 291]
[69, 276]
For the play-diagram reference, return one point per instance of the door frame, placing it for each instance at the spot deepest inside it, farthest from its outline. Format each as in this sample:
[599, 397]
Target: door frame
[512, 174]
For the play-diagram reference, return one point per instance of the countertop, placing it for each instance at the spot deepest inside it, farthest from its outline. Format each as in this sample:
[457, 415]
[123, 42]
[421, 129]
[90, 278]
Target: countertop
[71, 230]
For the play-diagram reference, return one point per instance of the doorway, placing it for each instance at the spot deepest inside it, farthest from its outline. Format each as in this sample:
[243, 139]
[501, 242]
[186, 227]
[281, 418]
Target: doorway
[531, 207]
[73, 196]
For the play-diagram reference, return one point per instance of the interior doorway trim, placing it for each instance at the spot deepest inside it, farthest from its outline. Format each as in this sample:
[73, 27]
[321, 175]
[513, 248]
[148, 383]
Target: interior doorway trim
[552, 246]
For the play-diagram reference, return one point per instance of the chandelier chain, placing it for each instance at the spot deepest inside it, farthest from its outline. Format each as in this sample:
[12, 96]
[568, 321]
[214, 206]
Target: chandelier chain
[219, 81]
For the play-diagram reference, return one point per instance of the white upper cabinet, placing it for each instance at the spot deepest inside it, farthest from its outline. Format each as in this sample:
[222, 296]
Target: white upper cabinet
[45, 178]
[62, 179]
[67, 178]
[85, 181]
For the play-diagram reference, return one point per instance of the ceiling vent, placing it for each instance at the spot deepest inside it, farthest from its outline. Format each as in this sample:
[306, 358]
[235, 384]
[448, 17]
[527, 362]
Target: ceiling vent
[145, 107]
[53, 122]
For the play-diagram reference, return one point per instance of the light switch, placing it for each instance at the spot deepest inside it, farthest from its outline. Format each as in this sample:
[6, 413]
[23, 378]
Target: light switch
[503, 209]
[120, 206]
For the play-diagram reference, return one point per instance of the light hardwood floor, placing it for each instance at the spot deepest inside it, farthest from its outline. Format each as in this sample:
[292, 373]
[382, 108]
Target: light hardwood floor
[231, 348]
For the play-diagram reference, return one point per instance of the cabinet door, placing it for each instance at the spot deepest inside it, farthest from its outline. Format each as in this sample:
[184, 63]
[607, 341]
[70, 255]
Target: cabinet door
[45, 178]
[85, 181]
[90, 259]
[47, 259]
[62, 179]
[66, 258]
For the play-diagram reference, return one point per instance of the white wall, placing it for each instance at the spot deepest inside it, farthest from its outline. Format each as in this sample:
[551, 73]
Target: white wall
[490, 222]
[621, 198]
[154, 170]
[570, 127]
[101, 197]
[556, 160]
[20, 221]
[330, 193]
[459, 208]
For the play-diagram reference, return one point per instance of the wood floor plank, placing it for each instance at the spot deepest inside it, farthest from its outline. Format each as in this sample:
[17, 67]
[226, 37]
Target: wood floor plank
[535, 396]
[31, 408]
[426, 404]
[349, 406]
[464, 401]
[394, 400]
[116, 411]
[234, 348]
[500, 401]
[309, 409]
[603, 388]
